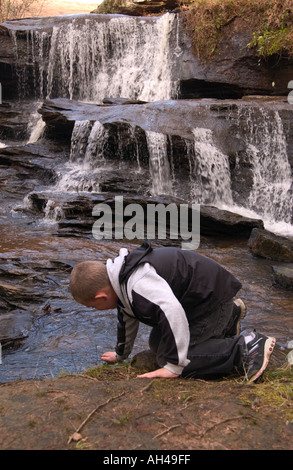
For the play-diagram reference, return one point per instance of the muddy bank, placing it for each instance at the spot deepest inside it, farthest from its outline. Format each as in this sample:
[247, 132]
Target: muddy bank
[110, 409]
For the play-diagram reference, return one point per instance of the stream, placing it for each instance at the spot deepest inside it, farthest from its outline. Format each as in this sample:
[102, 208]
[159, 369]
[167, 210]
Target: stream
[67, 337]
[61, 145]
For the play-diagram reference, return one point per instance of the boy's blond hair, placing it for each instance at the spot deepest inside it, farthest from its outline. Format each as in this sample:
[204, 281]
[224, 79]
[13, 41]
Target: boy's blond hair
[86, 279]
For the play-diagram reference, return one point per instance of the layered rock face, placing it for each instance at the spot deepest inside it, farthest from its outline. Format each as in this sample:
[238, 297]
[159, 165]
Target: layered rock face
[32, 51]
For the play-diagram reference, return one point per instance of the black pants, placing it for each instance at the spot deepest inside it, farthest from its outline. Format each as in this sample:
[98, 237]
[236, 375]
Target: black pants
[212, 352]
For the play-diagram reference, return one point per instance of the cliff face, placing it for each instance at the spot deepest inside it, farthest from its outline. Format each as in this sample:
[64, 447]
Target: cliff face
[233, 72]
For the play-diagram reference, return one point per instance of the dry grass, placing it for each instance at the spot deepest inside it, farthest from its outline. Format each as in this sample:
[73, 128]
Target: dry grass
[11, 9]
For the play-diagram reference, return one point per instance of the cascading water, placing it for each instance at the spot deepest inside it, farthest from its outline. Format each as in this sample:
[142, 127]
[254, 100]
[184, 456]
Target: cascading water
[93, 57]
[158, 163]
[266, 148]
[210, 174]
[210, 179]
[86, 158]
[102, 56]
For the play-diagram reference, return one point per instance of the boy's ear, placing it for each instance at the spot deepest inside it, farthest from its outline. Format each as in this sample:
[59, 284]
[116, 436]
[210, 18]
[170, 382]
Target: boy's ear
[101, 295]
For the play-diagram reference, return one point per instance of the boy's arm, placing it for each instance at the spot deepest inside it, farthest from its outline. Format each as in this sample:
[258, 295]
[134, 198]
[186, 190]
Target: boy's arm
[127, 328]
[153, 299]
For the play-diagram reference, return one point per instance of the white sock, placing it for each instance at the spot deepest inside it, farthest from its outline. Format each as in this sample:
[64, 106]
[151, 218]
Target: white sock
[248, 336]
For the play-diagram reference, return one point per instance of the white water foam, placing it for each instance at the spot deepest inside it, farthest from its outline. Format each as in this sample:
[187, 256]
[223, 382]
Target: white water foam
[211, 173]
[271, 194]
[81, 173]
[110, 56]
[158, 163]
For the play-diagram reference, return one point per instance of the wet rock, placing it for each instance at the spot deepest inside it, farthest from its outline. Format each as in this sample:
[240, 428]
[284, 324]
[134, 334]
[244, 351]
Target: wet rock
[17, 295]
[13, 124]
[115, 101]
[144, 361]
[29, 163]
[283, 276]
[268, 245]
[214, 221]
[14, 326]
[77, 218]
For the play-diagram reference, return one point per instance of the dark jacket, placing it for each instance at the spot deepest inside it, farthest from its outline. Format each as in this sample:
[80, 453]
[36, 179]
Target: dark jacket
[171, 288]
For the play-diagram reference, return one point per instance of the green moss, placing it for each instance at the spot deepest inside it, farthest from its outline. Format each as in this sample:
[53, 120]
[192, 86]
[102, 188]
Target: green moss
[111, 371]
[275, 392]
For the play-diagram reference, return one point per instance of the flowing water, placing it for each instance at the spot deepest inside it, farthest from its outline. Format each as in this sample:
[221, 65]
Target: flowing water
[116, 57]
[159, 165]
[135, 60]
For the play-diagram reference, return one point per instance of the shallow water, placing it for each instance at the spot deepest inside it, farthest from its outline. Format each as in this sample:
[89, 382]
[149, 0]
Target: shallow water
[72, 338]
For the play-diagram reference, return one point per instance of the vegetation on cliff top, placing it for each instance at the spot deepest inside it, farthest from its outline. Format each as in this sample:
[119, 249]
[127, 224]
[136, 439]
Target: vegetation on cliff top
[270, 23]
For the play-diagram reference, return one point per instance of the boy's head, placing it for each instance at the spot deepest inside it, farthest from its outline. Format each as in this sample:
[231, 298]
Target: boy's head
[90, 286]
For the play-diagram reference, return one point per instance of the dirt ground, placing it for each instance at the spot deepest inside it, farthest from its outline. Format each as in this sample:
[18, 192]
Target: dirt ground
[109, 408]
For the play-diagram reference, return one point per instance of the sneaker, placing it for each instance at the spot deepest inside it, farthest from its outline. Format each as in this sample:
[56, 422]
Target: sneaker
[239, 312]
[259, 348]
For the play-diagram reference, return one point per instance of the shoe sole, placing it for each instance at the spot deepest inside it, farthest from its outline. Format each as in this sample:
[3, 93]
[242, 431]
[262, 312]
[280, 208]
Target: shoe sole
[268, 349]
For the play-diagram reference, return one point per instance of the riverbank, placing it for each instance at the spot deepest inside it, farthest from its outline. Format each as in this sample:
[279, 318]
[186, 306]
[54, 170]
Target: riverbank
[108, 408]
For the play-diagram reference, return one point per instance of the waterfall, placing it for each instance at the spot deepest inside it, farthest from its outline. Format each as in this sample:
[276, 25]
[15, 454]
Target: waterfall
[86, 158]
[270, 197]
[210, 174]
[158, 163]
[36, 130]
[271, 193]
[90, 58]
[210, 179]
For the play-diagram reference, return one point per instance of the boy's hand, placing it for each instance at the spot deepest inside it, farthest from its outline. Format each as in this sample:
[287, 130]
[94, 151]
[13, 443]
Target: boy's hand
[109, 356]
[164, 373]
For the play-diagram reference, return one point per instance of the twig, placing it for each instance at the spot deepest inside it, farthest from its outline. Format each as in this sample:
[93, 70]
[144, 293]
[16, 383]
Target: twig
[167, 430]
[225, 421]
[91, 414]
[144, 389]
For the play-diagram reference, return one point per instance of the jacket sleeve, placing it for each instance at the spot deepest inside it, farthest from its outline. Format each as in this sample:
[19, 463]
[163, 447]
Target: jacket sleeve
[127, 328]
[153, 300]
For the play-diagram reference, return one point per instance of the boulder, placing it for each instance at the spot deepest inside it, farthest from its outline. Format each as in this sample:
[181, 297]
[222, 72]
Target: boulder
[283, 276]
[145, 361]
[268, 245]
[14, 327]
[217, 222]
